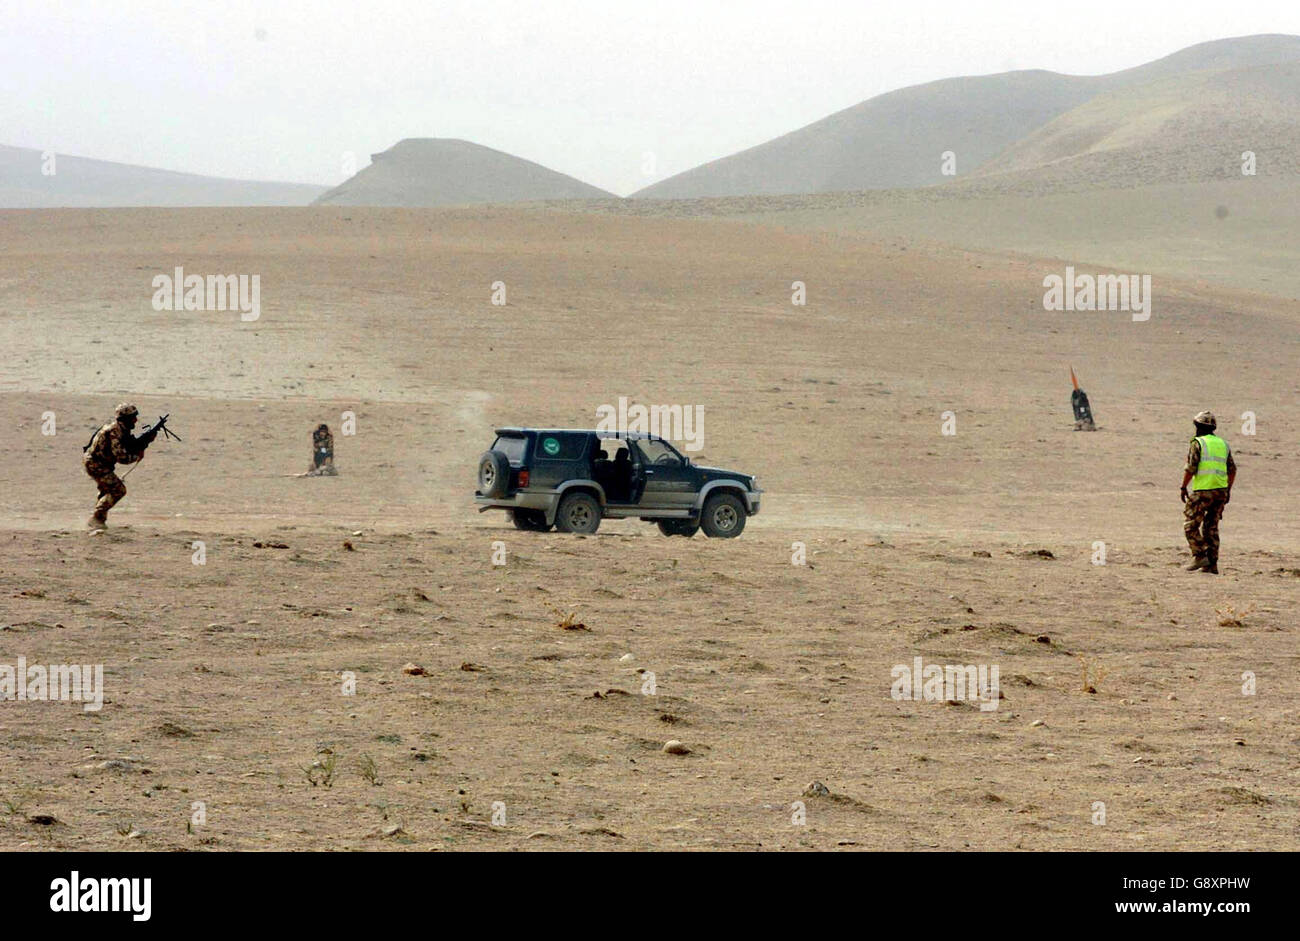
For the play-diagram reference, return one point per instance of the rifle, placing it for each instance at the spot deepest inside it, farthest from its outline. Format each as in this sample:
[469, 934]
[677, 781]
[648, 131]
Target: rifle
[161, 425]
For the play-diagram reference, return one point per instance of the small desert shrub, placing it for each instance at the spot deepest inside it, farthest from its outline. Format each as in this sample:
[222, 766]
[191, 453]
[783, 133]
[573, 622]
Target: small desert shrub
[15, 802]
[1098, 674]
[568, 622]
[321, 771]
[1229, 616]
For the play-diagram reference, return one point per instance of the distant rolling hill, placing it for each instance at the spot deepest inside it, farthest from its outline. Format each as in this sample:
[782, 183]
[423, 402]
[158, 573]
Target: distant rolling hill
[1184, 128]
[445, 172]
[82, 182]
[896, 140]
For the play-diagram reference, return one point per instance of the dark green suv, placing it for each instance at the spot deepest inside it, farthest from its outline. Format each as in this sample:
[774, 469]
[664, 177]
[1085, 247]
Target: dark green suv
[572, 479]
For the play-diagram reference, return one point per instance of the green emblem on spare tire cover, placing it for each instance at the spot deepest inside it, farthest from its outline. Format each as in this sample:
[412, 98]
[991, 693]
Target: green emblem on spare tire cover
[551, 446]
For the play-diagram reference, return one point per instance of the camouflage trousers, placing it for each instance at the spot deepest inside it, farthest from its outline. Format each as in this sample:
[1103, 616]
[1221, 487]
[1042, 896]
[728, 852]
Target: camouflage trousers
[1201, 515]
[111, 490]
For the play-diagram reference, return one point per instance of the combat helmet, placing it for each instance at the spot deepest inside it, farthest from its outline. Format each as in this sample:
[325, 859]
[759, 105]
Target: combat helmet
[1205, 417]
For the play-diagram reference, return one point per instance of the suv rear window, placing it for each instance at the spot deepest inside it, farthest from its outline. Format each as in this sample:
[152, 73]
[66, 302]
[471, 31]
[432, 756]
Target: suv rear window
[559, 447]
[512, 447]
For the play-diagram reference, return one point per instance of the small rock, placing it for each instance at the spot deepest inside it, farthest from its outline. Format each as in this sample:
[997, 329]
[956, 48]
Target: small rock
[411, 669]
[817, 789]
[674, 747]
[1036, 723]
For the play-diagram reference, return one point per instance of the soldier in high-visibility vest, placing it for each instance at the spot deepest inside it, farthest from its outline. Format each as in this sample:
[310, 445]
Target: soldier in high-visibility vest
[1211, 471]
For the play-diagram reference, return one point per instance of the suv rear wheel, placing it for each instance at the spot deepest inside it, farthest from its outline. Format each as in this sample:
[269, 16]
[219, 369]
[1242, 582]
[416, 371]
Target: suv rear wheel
[493, 474]
[533, 521]
[687, 528]
[578, 513]
[723, 516]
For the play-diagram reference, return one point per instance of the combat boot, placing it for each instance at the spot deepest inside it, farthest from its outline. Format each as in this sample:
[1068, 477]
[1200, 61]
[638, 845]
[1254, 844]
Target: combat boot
[96, 521]
[1199, 562]
[1211, 565]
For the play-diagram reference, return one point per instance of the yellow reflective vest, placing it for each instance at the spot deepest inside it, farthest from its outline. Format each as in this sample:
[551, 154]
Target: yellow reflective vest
[1212, 471]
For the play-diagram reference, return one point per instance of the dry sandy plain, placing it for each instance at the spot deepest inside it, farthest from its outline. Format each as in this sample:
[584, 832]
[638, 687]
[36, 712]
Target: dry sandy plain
[224, 681]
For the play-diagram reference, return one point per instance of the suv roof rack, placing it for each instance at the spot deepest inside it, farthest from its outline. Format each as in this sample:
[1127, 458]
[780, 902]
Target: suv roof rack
[625, 435]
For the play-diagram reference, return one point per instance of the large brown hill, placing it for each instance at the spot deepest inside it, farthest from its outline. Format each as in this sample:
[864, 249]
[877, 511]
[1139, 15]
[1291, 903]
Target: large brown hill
[896, 140]
[446, 172]
[29, 181]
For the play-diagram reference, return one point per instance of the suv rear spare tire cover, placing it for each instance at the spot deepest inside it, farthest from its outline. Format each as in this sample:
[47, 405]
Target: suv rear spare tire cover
[493, 474]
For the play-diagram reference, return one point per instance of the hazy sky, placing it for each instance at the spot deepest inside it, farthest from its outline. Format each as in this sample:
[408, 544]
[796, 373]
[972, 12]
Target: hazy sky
[285, 90]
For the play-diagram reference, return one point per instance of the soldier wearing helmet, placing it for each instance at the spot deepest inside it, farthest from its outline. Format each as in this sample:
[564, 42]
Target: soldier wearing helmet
[322, 453]
[111, 445]
[1211, 471]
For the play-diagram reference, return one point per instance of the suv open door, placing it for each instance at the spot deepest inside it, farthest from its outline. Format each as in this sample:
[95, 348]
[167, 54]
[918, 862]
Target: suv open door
[664, 478]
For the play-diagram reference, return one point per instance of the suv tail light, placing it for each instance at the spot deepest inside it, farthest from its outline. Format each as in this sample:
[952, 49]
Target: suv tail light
[523, 478]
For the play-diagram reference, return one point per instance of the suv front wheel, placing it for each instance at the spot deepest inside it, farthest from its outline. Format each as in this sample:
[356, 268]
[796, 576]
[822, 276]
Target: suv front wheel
[578, 513]
[723, 516]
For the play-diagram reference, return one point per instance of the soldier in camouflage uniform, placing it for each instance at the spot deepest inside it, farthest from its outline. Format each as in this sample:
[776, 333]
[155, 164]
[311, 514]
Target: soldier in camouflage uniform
[1211, 471]
[322, 453]
[111, 445]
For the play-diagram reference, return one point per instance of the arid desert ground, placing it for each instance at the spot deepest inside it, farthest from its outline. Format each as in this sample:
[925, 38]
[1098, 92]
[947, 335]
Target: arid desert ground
[1123, 682]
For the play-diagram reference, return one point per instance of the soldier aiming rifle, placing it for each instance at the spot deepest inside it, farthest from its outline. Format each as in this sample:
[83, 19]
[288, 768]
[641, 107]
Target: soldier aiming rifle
[111, 445]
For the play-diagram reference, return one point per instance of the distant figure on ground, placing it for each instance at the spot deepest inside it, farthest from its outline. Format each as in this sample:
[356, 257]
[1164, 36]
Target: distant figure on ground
[322, 453]
[111, 445]
[1082, 410]
[1211, 471]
